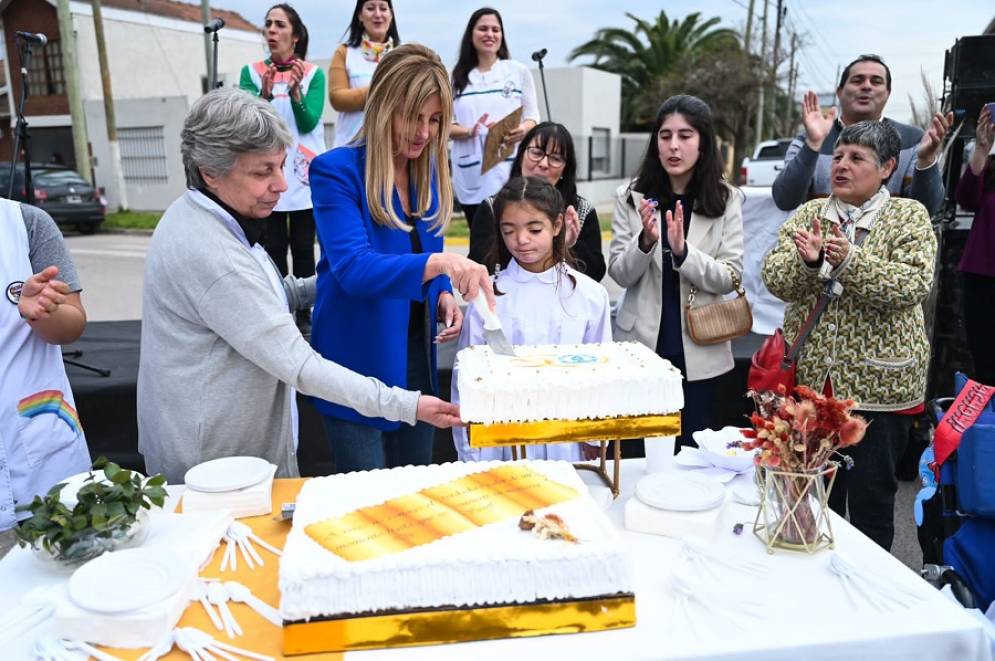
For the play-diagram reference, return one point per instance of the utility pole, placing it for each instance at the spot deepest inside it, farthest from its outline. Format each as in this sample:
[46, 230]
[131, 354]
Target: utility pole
[81, 143]
[763, 64]
[205, 18]
[776, 56]
[105, 77]
[749, 27]
[792, 79]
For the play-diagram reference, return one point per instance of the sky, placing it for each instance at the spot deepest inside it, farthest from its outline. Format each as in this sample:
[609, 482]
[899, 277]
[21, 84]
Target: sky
[833, 33]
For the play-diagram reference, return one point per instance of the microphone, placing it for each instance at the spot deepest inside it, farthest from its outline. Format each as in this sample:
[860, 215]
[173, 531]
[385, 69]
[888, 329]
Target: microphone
[33, 37]
[214, 25]
[538, 55]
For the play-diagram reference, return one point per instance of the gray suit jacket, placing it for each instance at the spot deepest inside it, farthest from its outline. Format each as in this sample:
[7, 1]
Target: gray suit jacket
[714, 246]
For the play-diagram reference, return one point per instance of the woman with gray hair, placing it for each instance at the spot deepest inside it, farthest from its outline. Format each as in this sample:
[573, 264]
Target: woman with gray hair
[221, 355]
[870, 343]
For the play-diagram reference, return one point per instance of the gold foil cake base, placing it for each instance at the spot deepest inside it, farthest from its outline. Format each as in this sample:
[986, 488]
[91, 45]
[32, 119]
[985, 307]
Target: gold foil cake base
[517, 435]
[437, 626]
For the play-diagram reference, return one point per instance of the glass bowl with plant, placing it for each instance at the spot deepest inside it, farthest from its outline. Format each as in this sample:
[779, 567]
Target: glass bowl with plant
[111, 511]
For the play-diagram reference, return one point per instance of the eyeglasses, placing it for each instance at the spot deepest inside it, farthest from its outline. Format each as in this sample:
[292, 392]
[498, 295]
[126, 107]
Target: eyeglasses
[536, 154]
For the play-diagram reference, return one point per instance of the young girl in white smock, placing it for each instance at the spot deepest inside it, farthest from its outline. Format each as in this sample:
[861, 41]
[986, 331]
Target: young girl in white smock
[544, 300]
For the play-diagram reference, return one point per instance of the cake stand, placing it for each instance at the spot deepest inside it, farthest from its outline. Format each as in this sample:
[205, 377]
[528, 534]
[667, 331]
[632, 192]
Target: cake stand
[518, 435]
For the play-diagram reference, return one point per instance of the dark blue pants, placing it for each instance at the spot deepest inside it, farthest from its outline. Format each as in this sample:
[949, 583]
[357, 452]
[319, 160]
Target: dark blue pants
[358, 447]
[697, 412]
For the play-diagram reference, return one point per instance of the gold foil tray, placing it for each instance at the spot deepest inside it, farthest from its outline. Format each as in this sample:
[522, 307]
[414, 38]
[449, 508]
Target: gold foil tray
[436, 626]
[560, 431]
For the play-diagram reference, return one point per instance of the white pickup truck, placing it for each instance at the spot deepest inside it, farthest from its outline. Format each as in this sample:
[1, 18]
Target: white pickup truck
[767, 161]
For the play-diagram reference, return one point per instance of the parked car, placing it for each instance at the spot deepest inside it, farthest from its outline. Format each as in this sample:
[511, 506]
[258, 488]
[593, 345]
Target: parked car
[62, 192]
[767, 161]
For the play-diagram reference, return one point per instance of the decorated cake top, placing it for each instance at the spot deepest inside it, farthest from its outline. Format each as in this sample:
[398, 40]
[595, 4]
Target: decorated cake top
[566, 382]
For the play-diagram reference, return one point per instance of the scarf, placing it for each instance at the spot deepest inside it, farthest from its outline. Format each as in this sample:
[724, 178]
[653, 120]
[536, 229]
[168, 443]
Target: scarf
[373, 51]
[849, 216]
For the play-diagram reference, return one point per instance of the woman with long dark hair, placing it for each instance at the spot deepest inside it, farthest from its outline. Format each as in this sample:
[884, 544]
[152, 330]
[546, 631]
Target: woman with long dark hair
[296, 88]
[549, 154]
[372, 34]
[487, 86]
[678, 226]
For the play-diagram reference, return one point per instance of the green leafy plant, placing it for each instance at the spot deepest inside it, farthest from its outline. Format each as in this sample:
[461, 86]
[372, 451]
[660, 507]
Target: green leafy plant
[105, 511]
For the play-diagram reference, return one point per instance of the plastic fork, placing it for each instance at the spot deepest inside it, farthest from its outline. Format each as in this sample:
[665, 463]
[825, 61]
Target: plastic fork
[241, 593]
[200, 646]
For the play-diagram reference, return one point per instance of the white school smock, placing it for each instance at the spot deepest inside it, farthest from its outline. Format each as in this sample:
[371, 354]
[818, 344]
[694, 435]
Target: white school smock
[41, 440]
[497, 92]
[305, 147]
[360, 71]
[538, 308]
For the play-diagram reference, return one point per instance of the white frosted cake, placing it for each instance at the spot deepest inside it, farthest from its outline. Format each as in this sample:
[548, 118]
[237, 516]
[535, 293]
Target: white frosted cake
[566, 382]
[337, 564]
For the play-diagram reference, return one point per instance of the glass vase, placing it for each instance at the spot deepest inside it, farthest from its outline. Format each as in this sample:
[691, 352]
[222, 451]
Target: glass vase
[794, 509]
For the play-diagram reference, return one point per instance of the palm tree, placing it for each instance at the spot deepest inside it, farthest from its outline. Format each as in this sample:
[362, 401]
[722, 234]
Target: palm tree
[649, 52]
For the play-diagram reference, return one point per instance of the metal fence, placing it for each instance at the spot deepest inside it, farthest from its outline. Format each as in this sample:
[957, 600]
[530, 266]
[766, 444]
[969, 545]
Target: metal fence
[143, 153]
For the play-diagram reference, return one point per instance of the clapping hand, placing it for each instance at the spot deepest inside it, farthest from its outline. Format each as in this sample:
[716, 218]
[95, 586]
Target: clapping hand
[675, 231]
[571, 222]
[817, 124]
[297, 73]
[42, 294]
[480, 123]
[651, 228]
[266, 90]
[837, 247]
[933, 138]
[809, 244]
[984, 134]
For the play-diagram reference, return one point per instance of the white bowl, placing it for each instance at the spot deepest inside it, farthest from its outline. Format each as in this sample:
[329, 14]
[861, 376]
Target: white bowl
[714, 446]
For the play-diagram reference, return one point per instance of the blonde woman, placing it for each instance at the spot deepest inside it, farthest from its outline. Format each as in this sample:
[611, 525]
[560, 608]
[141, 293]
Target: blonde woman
[381, 204]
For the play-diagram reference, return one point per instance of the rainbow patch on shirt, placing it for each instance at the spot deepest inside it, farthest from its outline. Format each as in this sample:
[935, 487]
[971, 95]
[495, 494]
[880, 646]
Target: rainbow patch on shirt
[50, 401]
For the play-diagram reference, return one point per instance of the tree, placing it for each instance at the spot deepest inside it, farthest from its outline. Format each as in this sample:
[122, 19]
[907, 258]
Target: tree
[726, 80]
[649, 53]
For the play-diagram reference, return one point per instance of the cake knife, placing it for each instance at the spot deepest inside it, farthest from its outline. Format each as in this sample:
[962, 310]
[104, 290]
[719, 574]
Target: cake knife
[495, 337]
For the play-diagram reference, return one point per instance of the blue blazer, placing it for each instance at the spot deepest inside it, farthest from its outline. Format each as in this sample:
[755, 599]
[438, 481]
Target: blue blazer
[367, 279]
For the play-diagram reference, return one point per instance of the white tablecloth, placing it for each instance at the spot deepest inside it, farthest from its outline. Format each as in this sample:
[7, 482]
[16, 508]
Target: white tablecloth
[761, 221]
[807, 615]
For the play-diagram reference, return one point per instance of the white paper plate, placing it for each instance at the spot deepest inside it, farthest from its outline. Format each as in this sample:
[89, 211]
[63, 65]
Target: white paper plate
[714, 448]
[227, 474]
[680, 492]
[129, 580]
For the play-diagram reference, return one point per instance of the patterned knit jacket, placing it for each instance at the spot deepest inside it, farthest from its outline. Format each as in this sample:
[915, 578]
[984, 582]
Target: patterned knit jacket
[871, 341]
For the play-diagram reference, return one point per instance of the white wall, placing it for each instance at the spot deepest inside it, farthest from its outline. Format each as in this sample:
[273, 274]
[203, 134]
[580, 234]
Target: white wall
[581, 98]
[167, 112]
[153, 56]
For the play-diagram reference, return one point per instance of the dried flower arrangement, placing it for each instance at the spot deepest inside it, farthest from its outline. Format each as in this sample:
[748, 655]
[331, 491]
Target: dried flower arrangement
[548, 526]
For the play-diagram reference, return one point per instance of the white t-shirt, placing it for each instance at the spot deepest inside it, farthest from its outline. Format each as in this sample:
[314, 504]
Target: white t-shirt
[538, 308]
[497, 92]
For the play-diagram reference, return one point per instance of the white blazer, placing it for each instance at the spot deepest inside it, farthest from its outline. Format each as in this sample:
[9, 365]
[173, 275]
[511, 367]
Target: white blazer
[714, 245]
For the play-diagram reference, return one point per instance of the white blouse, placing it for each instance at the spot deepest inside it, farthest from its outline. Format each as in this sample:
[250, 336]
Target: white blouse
[538, 308]
[499, 91]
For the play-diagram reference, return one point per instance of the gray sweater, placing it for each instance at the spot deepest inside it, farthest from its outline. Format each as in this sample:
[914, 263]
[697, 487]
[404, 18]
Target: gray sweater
[806, 173]
[220, 352]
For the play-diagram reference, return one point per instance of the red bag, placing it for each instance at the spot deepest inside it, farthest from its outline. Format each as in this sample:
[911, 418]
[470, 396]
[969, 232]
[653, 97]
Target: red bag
[770, 367]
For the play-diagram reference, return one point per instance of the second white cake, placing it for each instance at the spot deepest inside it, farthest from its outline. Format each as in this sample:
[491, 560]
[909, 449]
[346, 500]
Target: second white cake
[566, 382]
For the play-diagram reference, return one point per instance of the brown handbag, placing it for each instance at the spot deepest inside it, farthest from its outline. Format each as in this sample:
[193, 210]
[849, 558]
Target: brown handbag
[722, 321]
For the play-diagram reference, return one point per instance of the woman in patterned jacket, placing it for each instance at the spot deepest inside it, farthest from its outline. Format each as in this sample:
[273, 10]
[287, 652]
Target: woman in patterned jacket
[870, 344]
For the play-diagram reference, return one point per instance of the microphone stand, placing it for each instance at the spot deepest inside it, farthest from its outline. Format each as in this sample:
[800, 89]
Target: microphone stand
[214, 68]
[542, 75]
[21, 136]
